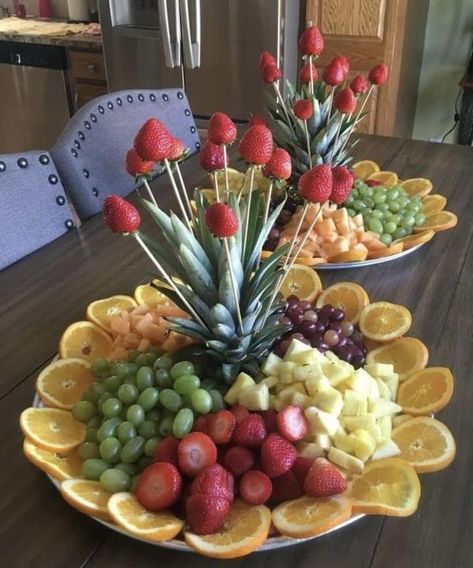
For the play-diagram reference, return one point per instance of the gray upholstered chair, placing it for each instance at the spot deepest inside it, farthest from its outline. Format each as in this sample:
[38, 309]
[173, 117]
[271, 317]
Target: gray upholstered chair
[90, 153]
[33, 207]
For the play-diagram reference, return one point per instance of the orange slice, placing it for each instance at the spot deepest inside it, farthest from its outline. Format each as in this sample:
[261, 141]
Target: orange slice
[426, 443]
[395, 248]
[88, 497]
[62, 383]
[246, 529]
[365, 168]
[349, 256]
[433, 203]
[147, 295]
[303, 282]
[85, 340]
[386, 487]
[383, 321]
[308, 516]
[52, 429]
[127, 512]
[348, 296]
[440, 221]
[61, 466]
[100, 311]
[426, 391]
[417, 186]
[386, 178]
[209, 194]
[406, 354]
[415, 239]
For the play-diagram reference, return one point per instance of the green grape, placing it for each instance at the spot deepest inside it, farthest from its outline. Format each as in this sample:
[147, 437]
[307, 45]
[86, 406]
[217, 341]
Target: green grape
[103, 398]
[163, 378]
[91, 434]
[88, 394]
[362, 190]
[128, 468]
[408, 221]
[115, 480]
[389, 227]
[369, 202]
[94, 422]
[110, 449]
[171, 400]
[186, 400]
[165, 425]
[349, 200]
[384, 207]
[112, 407]
[134, 483]
[148, 399]
[144, 378]
[396, 219]
[419, 219]
[143, 463]
[369, 191]
[375, 225]
[135, 414]
[392, 193]
[115, 367]
[132, 355]
[126, 432]
[413, 207]
[113, 383]
[358, 205]
[186, 384]
[84, 410]
[128, 394]
[154, 414]
[404, 201]
[100, 366]
[201, 401]
[96, 391]
[157, 350]
[379, 197]
[150, 447]
[153, 355]
[148, 429]
[127, 370]
[93, 468]
[351, 212]
[208, 384]
[182, 368]
[108, 429]
[164, 362]
[401, 232]
[386, 239]
[394, 206]
[359, 183]
[217, 400]
[132, 450]
[377, 214]
[89, 450]
[183, 423]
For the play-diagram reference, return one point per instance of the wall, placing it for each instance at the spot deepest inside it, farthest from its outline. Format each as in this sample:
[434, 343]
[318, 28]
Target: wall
[59, 7]
[448, 42]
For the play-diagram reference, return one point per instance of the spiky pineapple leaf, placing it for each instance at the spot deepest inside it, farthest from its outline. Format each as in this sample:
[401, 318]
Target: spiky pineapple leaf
[186, 237]
[219, 314]
[198, 277]
[167, 258]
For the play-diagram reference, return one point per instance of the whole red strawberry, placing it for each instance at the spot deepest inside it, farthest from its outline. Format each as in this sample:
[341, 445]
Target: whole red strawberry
[167, 450]
[255, 487]
[250, 432]
[221, 220]
[343, 62]
[120, 215]
[286, 487]
[271, 73]
[266, 58]
[311, 41]
[303, 109]
[304, 74]
[153, 141]
[211, 157]
[277, 455]
[201, 424]
[270, 420]
[221, 425]
[196, 452]
[359, 85]
[222, 129]
[214, 480]
[256, 146]
[239, 412]
[342, 183]
[135, 166]
[316, 184]
[177, 149]
[255, 120]
[159, 486]
[334, 74]
[378, 75]
[238, 459]
[301, 467]
[324, 479]
[279, 166]
[345, 101]
[206, 513]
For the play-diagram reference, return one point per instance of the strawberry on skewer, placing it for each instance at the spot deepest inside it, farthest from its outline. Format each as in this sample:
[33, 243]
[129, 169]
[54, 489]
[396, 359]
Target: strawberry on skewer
[212, 160]
[304, 110]
[345, 103]
[139, 168]
[311, 44]
[278, 169]
[223, 132]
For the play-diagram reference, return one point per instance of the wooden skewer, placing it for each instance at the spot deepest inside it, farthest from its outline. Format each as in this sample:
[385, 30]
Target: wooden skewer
[225, 168]
[216, 188]
[184, 190]
[176, 193]
[150, 193]
[311, 85]
[233, 283]
[283, 104]
[309, 150]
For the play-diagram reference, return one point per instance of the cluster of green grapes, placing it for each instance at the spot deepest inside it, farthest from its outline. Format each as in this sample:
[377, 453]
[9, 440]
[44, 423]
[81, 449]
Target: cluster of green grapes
[389, 212]
[131, 406]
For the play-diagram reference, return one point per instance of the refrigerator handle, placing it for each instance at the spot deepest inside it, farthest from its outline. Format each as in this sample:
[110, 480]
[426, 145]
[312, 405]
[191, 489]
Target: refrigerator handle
[172, 49]
[191, 44]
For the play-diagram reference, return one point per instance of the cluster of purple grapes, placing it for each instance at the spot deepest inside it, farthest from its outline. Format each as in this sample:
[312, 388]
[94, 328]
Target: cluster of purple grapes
[324, 328]
[282, 220]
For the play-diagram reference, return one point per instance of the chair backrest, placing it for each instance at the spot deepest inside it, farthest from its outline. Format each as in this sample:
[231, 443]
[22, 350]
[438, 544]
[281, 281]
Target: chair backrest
[90, 153]
[33, 206]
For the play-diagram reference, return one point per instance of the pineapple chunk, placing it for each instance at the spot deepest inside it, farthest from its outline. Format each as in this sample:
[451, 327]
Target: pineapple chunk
[360, 382]
[275, 403]
[271, 365]
[315, 385]
[373, 393]
[352, 423]
[300, 399]
[330, 355]
[382, 408]
[321, 422]
[384, 391]
[364, 445]
[323, 441]
[344, 442]
[307, 357]
[379, 369]
[296, 347]
[345, 460]
[243, 380]
[307, 372]
[330, 400]
[376, 433]
[386, 450]
[386, 426]
[254, 397]
[401, 418]
[270, 382]
[355, 403]
[393, 384]
[286, 369]
[336, 371]
[310, 450]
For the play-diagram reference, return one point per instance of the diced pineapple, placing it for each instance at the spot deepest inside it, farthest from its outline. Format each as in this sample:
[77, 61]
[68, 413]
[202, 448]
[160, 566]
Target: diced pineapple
[330, 400]
[300, 399]
[360, 382]
[373, 393]
[384, 391]
[254, 397]
[315, 385]
[386, 425]
[323, 441]
[285, 395]
[352, 423]
[275, 403]
[308, 357]
[286, 369]
[321, 422]
[364, 445]
[307, 372]
[310, 450]
[401, 418]
[379, 369]
[243, 380]
[331, 356]
[343, 441]
[393, 384]
[355, 403]
[270, 382]
[386, 450]
[271, 365]
[345, 460]
[376, 434]
[383, 408]
[296, 347]
[336, 371]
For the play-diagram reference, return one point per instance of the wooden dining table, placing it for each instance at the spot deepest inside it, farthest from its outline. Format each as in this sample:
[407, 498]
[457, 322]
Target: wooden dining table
[46, 291]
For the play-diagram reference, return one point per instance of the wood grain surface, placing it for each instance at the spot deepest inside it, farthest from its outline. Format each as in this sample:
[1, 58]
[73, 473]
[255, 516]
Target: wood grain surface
[46, 291]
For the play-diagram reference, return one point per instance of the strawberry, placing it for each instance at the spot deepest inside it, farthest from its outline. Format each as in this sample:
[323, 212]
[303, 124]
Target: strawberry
[135, 166]
[250, 432]
[211, 157]
[359, 85]
[206, 513]
[266, 58]
[270, 420]
[277, 455]
[153, 141]
[279, 166]
[292, 423]
[256, 146]
[378, 75]
[271, 73]
[214, 480]
[311, 41]
[177, 149]
[301, 467]
[201, 424]
[120, 215]
[315, 185]
[222, 129]
[343, 62]
[221, 426]
[372, 182]
[167, 450]
[159, 486]
[255, 120]
[221, 220]
[286, 487]
[334, 74]
[238, 460]
[303, 109]
[196, 452]
[255, 487]
[342, 180]
[345, 101]
[239, 412]
[324, 479]
[304, 74]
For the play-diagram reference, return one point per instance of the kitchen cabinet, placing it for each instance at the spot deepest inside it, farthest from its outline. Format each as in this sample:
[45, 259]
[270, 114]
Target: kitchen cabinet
[88, 78]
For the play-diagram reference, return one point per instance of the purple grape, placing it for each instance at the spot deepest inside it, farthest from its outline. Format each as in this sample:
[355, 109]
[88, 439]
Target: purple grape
[319, 327]
[285, 320]
[347, 328]
[356, 336]
[271, 244]
[311, 315]
[292, 302]
[322, 347]
[304, 305]
[358, 360]
[305, 341]
[326, 311]
[307, 328]
[336, 327]
[337, 314]
[342, 340]
[284, 217]
[316, 339]
[331, 338]
[295, 317]
[296, 335]
[344, 352]
[274, 234]
[283, 346]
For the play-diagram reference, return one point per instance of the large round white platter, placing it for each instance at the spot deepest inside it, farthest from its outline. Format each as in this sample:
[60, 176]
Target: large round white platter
[363, 263]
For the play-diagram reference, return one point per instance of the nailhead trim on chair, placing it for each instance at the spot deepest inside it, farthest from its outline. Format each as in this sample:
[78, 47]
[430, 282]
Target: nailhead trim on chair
[44, 160]
[3, 166]
[53, 179]
[22, 163]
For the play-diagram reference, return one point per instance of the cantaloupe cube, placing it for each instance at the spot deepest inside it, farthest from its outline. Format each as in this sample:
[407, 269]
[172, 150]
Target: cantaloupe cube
[358, 220]
[156, 333]
[118, 354]
[144, 344]
[326, 227]
[119, 325]
[143, 324]
[374, 244]
[131, 340]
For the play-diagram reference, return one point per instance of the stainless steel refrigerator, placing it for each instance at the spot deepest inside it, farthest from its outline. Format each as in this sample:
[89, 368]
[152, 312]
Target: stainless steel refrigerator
[208, 47]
